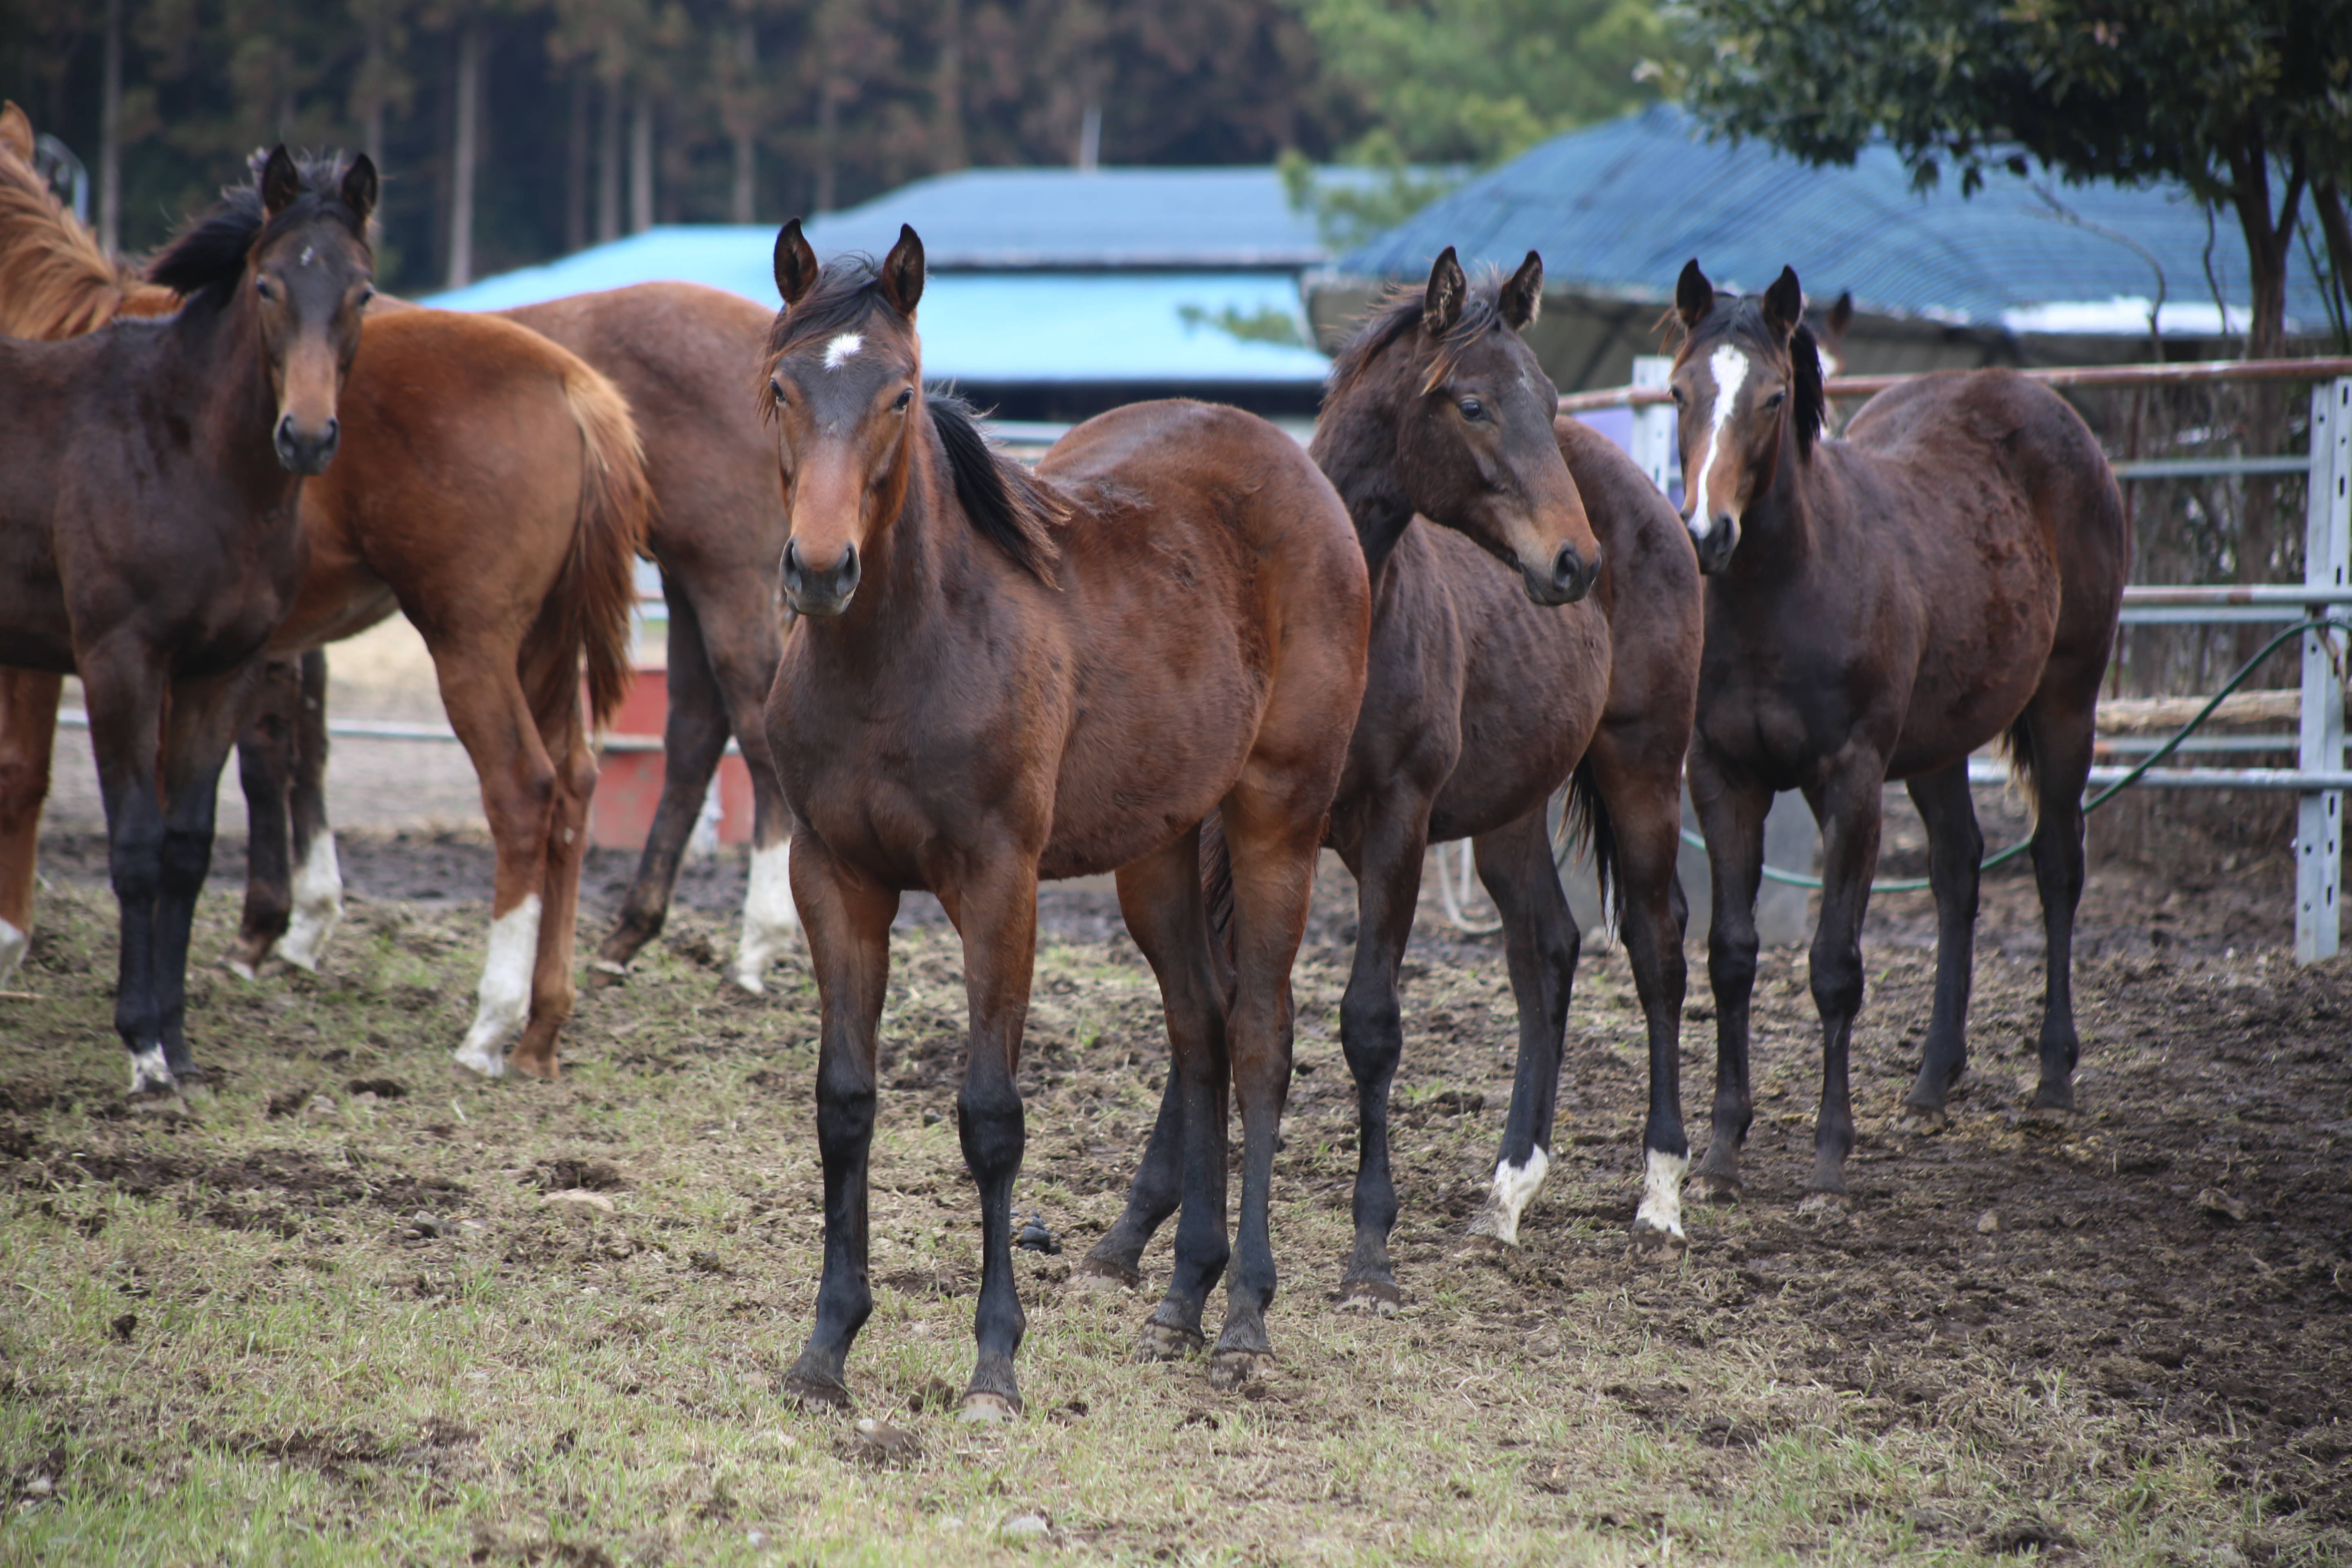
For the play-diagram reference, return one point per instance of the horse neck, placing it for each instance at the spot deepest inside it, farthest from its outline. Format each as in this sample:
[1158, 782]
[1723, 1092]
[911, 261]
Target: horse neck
[1783, 518]
[1355, 446]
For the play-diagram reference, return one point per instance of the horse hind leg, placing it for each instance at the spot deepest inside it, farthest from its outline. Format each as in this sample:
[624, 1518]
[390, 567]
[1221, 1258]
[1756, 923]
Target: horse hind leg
[318, 874]
[739, 636]
[29, 722]
[552, 992]
[265, 748]
[1540, 941]
[2055, 737]
[1954, 848]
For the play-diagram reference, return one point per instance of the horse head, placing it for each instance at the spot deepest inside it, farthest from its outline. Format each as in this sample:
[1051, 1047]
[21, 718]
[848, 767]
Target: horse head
[845, 381]
[1747, 378]
[292, 248]
[1467, 412]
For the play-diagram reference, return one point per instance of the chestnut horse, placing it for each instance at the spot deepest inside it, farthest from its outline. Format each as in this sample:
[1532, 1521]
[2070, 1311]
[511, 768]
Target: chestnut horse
[1878, 607]
[509, 546]
[149, 541]
[997, 678]
[1480, 704]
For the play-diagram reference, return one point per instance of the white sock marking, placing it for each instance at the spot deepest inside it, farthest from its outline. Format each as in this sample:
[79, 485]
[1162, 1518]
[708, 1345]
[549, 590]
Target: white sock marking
[1730, 367]
[769, 916]
[1515, 1186]
[150, 1071]
[837, 352]
[1662, 1193]
[13, 943]
[506, 989]
[318, 903]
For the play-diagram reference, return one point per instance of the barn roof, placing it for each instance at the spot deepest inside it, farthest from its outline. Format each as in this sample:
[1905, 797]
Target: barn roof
[1616, 209]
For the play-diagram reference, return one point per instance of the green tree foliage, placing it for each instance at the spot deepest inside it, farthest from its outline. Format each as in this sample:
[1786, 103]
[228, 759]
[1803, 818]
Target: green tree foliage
[817, 101]
[2246, 102]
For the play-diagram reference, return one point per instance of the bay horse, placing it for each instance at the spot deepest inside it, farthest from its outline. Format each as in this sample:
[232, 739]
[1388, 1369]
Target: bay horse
[1878, 607]
[508, 541]
[149, 539]
[1486, 696]
[997, 677]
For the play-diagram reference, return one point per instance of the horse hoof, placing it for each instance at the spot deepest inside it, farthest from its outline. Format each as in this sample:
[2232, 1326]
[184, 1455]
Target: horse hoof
[1371, 1298]
[1491, 1233]
[1713, 1189]
[1657, 1243]
[1924, 1119]
[545, 1068]
[1824, 1204]
[1163, 1342]
[1229, 1370]
[1101, 1274]
[244, 968]
[808, 1394]
[983, 1409]
[481, 1064]
[604, 972]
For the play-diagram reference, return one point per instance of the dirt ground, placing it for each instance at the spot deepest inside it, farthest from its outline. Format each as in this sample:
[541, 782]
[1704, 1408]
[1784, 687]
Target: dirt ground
[2124, 1338]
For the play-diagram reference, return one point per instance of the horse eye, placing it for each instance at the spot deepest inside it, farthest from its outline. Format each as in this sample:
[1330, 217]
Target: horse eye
[367, 293]
[905, 397]
[263, 287]
[1678, 395]
[776, 390]
[1775, 401]
[1473, 409]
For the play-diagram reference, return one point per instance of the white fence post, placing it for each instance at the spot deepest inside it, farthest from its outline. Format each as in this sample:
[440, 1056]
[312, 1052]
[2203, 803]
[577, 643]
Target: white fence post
[1654, 428]
[2326, 561]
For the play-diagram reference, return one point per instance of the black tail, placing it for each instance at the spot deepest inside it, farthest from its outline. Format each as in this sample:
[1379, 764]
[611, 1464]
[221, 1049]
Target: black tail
[2023, 766]
[1586, 816]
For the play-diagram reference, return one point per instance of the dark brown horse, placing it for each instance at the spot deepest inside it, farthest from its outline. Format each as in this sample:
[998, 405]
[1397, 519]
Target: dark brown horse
[997, 678]
[1481, 703]
[149, 539]
[506, 539]
[1880, 606]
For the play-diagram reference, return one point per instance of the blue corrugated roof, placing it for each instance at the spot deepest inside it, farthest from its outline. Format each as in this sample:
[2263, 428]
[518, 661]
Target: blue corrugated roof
[1617, 209]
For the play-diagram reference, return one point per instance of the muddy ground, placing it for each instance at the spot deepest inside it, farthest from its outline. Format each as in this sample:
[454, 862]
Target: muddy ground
[2135, 1325]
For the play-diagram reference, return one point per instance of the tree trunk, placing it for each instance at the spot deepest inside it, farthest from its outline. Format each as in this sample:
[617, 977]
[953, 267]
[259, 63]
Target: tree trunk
[109, 135]
[2328, 200]
[372, 93]
[2260, 555]
[575, 166]
[469, 141]
[947, 91]
[608, 168]
[740, 206]
[641, 161]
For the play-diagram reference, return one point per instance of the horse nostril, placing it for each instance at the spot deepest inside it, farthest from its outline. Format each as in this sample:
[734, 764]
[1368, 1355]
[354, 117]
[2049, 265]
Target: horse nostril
[792, 573]
[847, 573]
[285, 432]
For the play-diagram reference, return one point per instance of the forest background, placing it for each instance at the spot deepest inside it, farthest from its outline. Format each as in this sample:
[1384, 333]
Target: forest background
[516, 131]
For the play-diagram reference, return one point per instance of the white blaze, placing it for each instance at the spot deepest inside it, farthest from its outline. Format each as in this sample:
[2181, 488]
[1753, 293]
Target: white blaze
[1662, 1193]
[13, 943]
[1730, 367]
[318, 903]
[506, 989]
[769, 916]
[837, 352]
[1515, 1186]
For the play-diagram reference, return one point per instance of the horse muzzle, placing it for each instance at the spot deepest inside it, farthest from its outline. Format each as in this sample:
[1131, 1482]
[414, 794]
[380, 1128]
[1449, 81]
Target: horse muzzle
[1564, 580]
[825, 591]
[306, 451]
[1715, 544]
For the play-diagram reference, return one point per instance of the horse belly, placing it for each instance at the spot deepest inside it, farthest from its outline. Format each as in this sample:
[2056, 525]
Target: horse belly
[1976, 676]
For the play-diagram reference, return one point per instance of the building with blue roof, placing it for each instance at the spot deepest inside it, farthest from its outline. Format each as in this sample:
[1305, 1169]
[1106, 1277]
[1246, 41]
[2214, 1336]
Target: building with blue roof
[2028, 270]
[1052, 294]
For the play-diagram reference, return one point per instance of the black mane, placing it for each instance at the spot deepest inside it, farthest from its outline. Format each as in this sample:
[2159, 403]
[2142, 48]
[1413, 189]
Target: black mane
[1400, 312]
[206, 259]
[1004, 503]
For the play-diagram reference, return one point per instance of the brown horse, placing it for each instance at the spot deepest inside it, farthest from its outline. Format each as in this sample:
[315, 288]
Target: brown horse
[1880, 606]
[997, 678]
[508, 543]
[1481, 703]
[149, 541]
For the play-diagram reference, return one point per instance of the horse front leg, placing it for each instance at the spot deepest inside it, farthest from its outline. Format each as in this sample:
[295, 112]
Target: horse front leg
[124, 687]
[995, 910]
[1847, 807]
[1732, 816]
[265, 759]
[1637, 772]
[204, 718]
[28, 724]
[1540, 941]
[849, 947]
[317, 875]
[1389, 852]
[1954, 853]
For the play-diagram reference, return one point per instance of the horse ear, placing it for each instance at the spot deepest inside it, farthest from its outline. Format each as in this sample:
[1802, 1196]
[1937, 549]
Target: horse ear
[1441, 304]
[902, 271]
[281, 181]
[16, 131]
[1693, 295]
[1522, 297]
[1784, 302]
[360, 188]
[1841, 319]
[795, 264]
